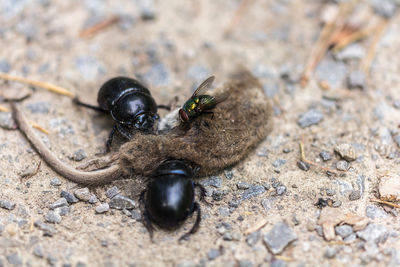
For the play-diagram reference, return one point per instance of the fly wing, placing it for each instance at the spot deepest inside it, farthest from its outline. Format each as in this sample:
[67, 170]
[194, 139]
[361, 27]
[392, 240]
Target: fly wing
[204, 86]
[221, 97]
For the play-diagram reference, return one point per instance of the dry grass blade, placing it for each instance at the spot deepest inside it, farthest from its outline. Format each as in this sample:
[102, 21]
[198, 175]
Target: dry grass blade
[4, 109]
[89, 32]
[303, 158]
[53, 88]
[38, 127]
[258, 225]
[385, 202]
[242, 9]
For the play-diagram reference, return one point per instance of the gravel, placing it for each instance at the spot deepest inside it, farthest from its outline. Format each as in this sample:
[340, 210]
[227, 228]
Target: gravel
[83, 194]
[5, 204]
[102, 208]
[93, 199]
[6, 121]
[38, 251]
[342, 165]
[253, 191]
[279, 237]
[242, 185]
[252, 238]
[355, 195]
[344, 230]
[69, 197]
[112, 192]
[374, 233]
[14, 259]
[79, 155]
[332, 72]
[39, 107]
[55, 182]
[47, 229]
[89, 67]
[213, 254]
[346, 152]
[157, 75]
[311, 117]
[356, 80]
[120, 202]
[214, 181]
[52, 217]
[5, 66]
[61, 202]
[373, 211]
[303, 165]
[325, 155]
[351, 52]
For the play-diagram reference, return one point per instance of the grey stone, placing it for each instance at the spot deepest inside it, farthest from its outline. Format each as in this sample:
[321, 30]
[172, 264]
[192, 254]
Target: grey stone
[27, 28]
[279, 162]
[271, 89]
[136, 215]
[223, 211]
[330, 252]
[242, 185]
[62, 211]
[346, 152]
[147, 9]
[397, 139]
[120, 202]
[355, 195]
[325, 155]
[311, 117]
[55, 182]
[38, 251]
[6, 121]
[373, 211]
[39, 107]
[253, 191]
[93, 199]
[280, 190]
[386, 8]
[371, 252]
[396, 104]
[218, 195]
[330, 192]
[278, 263]
[332, 72]
[79, 155]
[47, 229]
[83, 194]
[252, 238]
[186, 264]
[14, 259]
[5, 66]
[213, 254]
[69, 197]
[374, 233]
[342, 165]
[344, 230]
[157, 75]
[5, 204]
[102, 208]
[280, 236]
[263, 152]
[337, 204]
[351, 238]
[227, 237]
[112, 192]
[245, 263]
[229, 173]
[215, 181]
[61, 202]
[356, 80]
[352, 51]
[267, 203]
[303, 165]
[52, 217]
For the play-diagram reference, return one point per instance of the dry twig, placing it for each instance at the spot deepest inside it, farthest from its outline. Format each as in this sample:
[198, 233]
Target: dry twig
[394, 205]
[242, 9]
[303, 158]
[89, 32]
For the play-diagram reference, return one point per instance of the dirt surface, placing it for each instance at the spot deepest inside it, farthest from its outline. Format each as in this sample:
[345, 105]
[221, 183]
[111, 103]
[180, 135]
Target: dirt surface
[173, 46]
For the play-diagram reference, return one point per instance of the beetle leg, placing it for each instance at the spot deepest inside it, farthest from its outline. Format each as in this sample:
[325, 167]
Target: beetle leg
[196, 207]
[147, 224]
[124, 132]
[202, 193]
[110, 138]
[78, 102]
[164, 107]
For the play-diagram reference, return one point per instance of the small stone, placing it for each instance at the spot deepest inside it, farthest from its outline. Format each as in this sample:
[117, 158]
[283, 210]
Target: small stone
[147, 9]
[374, 211]
[263, 152]
[6, 121]
[303, 165]
[325, 155]
[346, 152]
[83, 194]
[351, 238]
[354, 195]
[396, 138]
[344, 230]
[278, 263]
[223, 211]
[69, 197]
[47, 229]
[229, 173]
[242, 185]
[62, 211]
[330, 252]
[227, 237]
[386, 8]
[102, 208]
[136, 215]
[55, 182]
[396, 105]
[280, 190]
[374, 233]
[14, 259]
[112, 192]
[252, 238]
[350, 52]
[93, 199]
[39, 107]
[268, 203]
[253, 191]
[38, 251]
[245, 263]
[218, 195]
[330, 192]
[215, 181]
[52, 217]
[311, 117]
[61, 202]
[279, 237]
[331, 71]
[356, 80]
[5, 204]
[79, 155]
[279, 162]
[213, 254]
[342, 165]
[120, 202]
[89, 67]
[5, 66]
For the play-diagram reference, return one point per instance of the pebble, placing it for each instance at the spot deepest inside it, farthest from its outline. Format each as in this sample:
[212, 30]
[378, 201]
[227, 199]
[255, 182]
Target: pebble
[356, 80]
[346, 152]
[252, 238]
[14, 259]
[55, 182]
[311, 117]
[279, 162]
[102, 208]
[38, 251]
[351, 238]
[213, 254]
[268, 203]
[374, 233]
[280, 190]
[52, 217]
[333, 72]
[325, 155]
[386, 8]
[245, 263]
[355, 195]
[229, 173]
[120, 202]
[218, 195]
[5, 66]
[280, 236]
[242, 185]
[263, 152]
[342, 165]
[344, 230]
[39, 107]
[69, 197]
[93, 199]
[83, 194]
[5, 204]
[371, 253]
[303, 165]
[373, 211]
[47, 229]
[79, 155]
[215, 181]
[271, 89]
[61, 202]
[136, 215]
[278, 263]
[352, 51]
[112, 192]
[147, 9]
[62, 211]
[253, 191]
[396, 104]
[223, 211]
[397, 139]
[6, 121]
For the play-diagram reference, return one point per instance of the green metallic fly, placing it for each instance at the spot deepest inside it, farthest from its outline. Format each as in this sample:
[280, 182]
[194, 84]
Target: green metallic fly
[199, 104]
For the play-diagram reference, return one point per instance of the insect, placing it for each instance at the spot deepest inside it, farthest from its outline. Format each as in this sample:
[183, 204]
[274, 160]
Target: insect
[170, 197]
[130, 105]
[200, 104]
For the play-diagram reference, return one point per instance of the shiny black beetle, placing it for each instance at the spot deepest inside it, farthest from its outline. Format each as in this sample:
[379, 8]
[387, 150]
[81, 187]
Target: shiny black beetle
[170, 197]
[129, 103]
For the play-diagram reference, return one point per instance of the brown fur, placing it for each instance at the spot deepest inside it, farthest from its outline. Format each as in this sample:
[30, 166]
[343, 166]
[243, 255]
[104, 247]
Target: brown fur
[239, 124]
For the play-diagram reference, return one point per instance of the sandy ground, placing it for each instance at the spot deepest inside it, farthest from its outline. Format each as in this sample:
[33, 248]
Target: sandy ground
[177, 49]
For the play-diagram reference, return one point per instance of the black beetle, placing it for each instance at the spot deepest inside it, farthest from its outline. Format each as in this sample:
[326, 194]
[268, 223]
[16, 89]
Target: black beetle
[129, 103]
[170, 197]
